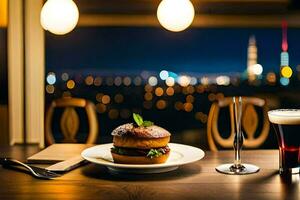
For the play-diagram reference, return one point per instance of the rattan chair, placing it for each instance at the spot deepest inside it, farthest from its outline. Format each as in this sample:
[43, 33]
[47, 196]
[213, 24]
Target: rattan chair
[250, 121]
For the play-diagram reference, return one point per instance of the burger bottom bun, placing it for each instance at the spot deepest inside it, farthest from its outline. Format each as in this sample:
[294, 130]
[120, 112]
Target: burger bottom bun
[140, 143]
[139, 159]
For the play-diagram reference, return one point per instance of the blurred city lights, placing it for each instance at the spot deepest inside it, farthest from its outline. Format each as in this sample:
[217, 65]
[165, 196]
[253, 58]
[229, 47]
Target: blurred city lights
[159, 91]
[204, 80]
[184, 80]
[190, 99]
[119, 98]
[286, 72]
[161, 104]
[152, 81]
[118, 81]
[50, 89]
[257, 69]
[137, 81]
[70, 84]
[101, 108]
[190, 89]
[170, 81]
[148, 96]
[271, 77]
[223, 80]
[170, 91]
[193, 81]
[109, 81]
[188, 107]
[127, 81]
[148, 88]
[89, 80]
[163, 75]
[65, 76]
[284, 81]
[145, 75]
[113, 114]
[98, 81]
[99, 97]
[178, 105]
[51, 78]
[105, 99]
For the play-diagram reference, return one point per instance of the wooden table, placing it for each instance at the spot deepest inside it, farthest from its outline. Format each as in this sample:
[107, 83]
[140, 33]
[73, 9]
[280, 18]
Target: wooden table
[194, 181]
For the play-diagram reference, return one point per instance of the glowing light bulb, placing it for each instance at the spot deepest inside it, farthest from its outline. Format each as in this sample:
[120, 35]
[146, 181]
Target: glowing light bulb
[59, 16]
[175, 15]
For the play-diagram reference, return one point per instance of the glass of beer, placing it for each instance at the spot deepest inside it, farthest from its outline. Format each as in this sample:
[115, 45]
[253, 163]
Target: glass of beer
[286, 123]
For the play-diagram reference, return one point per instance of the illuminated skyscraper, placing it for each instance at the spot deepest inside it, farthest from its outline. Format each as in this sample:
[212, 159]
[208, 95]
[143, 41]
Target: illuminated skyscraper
[252, 58]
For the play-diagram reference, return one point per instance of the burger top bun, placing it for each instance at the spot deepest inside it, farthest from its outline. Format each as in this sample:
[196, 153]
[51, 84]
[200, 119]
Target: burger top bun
[149, 132]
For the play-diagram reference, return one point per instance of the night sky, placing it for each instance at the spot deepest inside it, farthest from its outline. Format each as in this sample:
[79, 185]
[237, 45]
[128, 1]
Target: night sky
[124, 49]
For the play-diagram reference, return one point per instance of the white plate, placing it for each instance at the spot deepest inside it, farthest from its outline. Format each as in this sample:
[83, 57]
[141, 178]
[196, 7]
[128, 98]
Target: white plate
[180, 155]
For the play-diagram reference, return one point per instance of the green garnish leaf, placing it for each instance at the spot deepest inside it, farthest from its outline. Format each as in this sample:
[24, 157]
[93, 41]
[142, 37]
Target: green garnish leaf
[140, 122]
[138, 119]
[154, 153]
[147, 123]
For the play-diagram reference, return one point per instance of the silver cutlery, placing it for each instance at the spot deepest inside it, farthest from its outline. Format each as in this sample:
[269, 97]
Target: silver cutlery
[35, 171]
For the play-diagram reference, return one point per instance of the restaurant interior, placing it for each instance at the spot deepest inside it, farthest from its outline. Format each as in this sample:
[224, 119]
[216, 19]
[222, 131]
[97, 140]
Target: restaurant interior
[71, 71]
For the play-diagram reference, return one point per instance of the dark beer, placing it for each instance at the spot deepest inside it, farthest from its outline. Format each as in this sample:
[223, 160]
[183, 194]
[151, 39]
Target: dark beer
[286, 123]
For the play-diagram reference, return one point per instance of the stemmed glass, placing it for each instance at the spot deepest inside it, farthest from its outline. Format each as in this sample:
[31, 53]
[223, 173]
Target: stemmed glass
[237, 168]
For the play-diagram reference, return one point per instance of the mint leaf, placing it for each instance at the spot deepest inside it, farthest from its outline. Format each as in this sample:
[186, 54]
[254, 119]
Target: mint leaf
[138, 119]
[147, 123]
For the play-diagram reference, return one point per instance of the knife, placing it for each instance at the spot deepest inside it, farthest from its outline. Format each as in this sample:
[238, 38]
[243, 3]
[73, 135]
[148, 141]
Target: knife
[67, 165]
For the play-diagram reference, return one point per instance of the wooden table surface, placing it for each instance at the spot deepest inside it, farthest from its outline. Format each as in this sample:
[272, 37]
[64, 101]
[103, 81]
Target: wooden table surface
[194, 181]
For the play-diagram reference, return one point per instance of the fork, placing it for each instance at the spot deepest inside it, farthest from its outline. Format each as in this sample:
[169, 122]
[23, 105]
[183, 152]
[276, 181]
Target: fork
[35, 171]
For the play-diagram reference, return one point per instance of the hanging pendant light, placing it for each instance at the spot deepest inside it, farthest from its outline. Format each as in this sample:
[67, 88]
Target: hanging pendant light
[59, 16]
[175, 15]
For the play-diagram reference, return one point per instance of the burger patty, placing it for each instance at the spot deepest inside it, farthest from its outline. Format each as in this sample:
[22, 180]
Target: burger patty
[141, 152]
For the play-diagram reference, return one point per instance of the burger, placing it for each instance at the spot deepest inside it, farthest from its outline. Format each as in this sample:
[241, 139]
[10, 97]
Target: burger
[141, 142]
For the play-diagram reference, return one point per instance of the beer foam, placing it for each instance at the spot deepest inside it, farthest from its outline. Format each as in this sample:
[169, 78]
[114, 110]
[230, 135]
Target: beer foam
[285, 116]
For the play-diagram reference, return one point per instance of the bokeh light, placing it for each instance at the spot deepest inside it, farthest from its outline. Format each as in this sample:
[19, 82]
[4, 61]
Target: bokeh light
[51, 78]
[284, 81]
[118, 81]
[164, 75]
[119, 98]
[184, 80]
[152, 81]
[137, 81]
[64, 76]
[159, 91]
[70, 84]
[286, 72]
[223, 80]
[127, 81]
[101, 108]
[170, 91]
[161, 104]
[98, 81]
[105, 99]
[113, 114]
[178, 105]
[50, 89]
[188, 107]
[170, 81]
[257, 69]
[89, 80]
[148, 96]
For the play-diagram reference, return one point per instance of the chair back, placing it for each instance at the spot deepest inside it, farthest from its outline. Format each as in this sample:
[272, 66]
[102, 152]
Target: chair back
[69, 122]
[250, 121]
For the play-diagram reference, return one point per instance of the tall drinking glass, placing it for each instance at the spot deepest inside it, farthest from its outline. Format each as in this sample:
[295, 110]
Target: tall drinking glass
[237, 168]
[286, 123]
